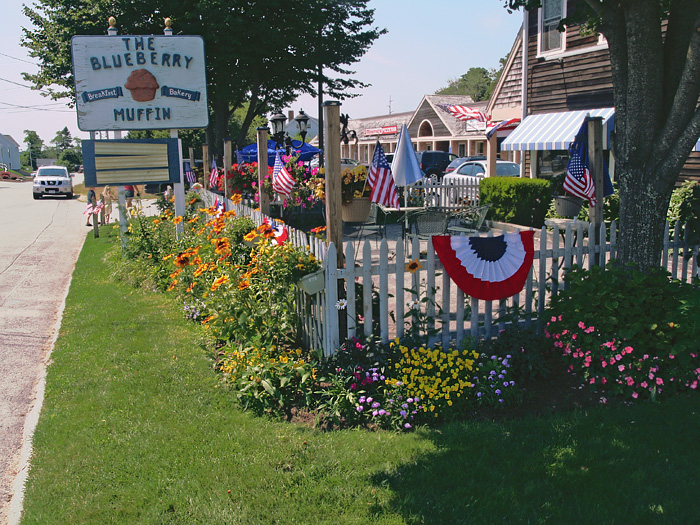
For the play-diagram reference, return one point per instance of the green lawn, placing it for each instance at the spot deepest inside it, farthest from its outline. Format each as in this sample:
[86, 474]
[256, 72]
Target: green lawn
[135, 429]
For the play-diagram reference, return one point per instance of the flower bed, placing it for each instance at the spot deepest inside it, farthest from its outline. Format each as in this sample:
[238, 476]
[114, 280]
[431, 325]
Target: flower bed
[241, 287]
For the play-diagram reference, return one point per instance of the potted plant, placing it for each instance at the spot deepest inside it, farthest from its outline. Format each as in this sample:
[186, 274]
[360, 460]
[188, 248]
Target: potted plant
[355, 194]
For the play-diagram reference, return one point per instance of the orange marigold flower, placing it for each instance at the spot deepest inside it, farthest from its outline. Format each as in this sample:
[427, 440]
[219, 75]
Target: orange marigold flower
[193, 219]
[222, 279]
[209, 318]
[192, 201]
[172, 285]
[191, 287]
[236, 198]
[200, 270]
[250, 236]
[175, 274]
[156, 222]
[169, 256]
[243, 284]
[222, 246]
[413, 266]
[182, 259]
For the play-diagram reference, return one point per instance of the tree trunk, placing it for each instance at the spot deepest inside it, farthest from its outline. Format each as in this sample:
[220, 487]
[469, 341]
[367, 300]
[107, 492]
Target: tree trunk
[222, 115]
[643, 209]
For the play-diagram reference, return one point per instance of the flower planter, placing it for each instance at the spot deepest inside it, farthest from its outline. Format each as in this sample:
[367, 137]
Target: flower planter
[567, 205]
[357, 210]
[313, 282]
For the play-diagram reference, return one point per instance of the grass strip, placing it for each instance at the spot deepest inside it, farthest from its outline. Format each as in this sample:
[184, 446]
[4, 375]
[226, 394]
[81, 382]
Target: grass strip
[135, 429]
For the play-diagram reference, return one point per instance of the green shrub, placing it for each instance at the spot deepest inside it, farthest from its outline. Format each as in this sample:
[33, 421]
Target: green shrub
[516, 200]
[685, 208]
[610, 337]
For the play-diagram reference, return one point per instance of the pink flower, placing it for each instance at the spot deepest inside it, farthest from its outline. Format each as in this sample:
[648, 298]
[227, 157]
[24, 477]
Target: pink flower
[659, 381]
[553, 319]
[694, 385]
[620, 367]
[630, 381]
[671, 356]
[581, 325]
[644, 384]
[628, 350]
[603, 380]
[635, 395]
[591, 381]
[651, 376]
[618, 357]
[604, 364]
[589, 329]
[646, 356]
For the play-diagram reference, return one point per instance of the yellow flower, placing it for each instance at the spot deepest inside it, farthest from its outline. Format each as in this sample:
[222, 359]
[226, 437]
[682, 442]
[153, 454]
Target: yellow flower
[222, 279]
[178, 219]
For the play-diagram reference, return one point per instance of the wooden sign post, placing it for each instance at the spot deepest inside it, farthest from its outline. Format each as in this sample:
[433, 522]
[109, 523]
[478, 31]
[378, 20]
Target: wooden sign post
[263, 198]
[334, 217]
[227, 166]
[205, 164]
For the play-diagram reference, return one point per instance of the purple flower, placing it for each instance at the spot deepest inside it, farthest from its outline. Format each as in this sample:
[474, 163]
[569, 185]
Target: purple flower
[512, 383]
[359, 408]
[369, 399]
[362, 399]
[374, 413]
[498, 391]
[405, 405]
[382, 412]
[505, 383]
[403, 413]
[410, 399]
[500, 401]
[375, 404]
[407, 425]
[478, 394]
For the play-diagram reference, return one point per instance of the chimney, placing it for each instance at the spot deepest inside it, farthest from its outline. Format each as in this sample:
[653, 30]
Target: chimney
[290, 116]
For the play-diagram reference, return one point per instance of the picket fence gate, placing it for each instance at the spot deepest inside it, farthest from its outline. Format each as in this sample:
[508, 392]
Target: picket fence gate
[387, 300]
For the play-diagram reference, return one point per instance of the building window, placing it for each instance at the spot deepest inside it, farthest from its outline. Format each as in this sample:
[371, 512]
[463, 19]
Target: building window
[550, 14]
[462, 150]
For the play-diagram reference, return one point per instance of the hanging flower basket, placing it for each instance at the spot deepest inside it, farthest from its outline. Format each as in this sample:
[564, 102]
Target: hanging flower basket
[357, 210]
[313, 282]
[567, 205]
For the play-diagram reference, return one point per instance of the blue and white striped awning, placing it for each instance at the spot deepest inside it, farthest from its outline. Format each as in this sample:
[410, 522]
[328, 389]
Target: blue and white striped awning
[555, 131]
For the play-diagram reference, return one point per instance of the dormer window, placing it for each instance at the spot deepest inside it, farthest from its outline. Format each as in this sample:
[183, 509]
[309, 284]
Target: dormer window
[550, 14]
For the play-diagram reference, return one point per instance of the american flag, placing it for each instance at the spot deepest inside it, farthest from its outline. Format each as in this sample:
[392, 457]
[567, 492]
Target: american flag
[578, 180]
[214, 175]
[381, 180]
[466, 113]
[282, 181]
[504, 125]
[189, 173]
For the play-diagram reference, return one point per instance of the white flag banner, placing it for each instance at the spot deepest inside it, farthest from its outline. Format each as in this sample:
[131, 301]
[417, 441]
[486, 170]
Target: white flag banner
[405, 166]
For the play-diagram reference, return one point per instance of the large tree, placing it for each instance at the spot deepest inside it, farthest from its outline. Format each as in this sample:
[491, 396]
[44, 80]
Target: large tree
[477, 82]
[35, 145]
[264, 53]
[654, 48]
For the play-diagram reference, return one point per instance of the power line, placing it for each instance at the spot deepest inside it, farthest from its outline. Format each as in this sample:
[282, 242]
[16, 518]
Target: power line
[20, 59]
[24, 86]
[38, 107]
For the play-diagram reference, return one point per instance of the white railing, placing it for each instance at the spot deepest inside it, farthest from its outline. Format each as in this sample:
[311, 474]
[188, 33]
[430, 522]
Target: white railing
[385, 291]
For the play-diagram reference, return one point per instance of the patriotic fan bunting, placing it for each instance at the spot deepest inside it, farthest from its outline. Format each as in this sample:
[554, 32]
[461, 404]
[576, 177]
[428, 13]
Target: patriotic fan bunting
[280, 231]
[487, 268]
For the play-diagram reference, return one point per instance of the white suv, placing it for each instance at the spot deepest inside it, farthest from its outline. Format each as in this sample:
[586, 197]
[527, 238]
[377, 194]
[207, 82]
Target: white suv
[52, 180]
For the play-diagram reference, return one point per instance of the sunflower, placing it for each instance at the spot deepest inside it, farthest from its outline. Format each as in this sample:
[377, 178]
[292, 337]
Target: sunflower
[413, 266]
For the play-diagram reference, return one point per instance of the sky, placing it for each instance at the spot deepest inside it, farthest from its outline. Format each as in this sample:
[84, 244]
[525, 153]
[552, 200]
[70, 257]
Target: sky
[427, 44]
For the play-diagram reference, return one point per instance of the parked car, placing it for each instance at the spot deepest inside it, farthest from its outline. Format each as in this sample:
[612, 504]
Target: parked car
[470, 174]
[434, 162]
[52, 180]
[461, 160]
[344, 163]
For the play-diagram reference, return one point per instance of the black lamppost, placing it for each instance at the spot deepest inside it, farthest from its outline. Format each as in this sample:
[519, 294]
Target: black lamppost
[302, 120]
[277, 123]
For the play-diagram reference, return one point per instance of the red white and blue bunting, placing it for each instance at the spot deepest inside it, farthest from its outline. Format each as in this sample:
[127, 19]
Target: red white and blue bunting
[487, 268]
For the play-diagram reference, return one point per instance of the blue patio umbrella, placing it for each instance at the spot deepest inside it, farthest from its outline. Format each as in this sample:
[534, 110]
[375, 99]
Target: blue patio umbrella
[305, 151]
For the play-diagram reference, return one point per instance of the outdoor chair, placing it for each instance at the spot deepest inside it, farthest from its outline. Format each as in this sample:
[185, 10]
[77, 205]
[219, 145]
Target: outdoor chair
[372, 225]
[424, 224]
[469, 219]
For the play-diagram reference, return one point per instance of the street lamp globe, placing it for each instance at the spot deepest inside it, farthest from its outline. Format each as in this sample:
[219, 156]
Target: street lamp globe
[302, 120]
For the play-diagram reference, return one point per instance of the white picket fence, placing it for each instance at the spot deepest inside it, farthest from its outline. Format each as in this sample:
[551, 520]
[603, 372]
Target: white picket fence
[387, 291]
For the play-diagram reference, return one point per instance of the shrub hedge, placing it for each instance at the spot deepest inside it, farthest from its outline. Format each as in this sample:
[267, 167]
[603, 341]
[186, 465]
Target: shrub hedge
[516, 200]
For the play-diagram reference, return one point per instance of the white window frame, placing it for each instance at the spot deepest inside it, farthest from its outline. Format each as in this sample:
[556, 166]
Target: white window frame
[540, 32]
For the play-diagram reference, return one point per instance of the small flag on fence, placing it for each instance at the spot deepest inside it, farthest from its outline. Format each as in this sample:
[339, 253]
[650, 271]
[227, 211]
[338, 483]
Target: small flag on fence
[189, 173]
[381, 180]
[282, 181]
[214, 175]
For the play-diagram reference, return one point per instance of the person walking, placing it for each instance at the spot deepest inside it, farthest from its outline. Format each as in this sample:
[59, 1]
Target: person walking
[90, 204]
[129, 191]
[107, 198]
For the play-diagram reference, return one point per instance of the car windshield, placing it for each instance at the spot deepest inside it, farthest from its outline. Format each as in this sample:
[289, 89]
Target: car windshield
[52, 172]
[508, 169]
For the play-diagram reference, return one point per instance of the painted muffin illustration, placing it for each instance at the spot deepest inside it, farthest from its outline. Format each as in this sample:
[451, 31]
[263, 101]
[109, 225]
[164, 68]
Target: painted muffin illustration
[142, 85]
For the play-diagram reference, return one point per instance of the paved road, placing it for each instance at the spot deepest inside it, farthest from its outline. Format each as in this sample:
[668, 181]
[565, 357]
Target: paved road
[39, 244]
